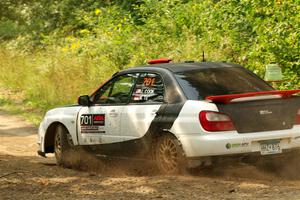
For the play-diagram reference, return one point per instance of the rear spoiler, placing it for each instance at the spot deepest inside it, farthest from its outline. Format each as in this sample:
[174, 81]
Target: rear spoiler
[228, 98]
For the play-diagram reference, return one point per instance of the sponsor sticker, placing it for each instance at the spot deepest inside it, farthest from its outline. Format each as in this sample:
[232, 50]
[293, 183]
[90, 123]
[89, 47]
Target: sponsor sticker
[92, 123]
[236, 145]
[99, 120]
[146, 89]
[143, 94]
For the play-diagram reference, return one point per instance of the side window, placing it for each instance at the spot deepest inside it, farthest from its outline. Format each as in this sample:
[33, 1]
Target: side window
[116, 91]
[149, 88]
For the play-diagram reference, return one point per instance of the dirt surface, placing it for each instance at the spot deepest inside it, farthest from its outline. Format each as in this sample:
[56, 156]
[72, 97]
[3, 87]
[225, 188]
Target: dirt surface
[24, 175]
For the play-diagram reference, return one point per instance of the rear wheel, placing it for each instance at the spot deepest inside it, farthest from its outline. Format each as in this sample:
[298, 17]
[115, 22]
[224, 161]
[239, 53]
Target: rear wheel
[169, 155]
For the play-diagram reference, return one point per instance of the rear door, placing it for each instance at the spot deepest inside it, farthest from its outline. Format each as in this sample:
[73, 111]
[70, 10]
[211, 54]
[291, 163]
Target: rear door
[146, 100]
[100, 123]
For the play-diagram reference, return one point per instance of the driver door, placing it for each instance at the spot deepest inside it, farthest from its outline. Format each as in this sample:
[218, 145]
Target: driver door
[100, 123]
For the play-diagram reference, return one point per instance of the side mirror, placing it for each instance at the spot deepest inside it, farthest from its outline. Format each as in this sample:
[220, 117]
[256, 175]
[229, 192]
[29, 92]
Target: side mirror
[84, 100]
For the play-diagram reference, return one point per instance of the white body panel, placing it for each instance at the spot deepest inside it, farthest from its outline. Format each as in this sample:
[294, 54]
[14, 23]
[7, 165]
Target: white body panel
[187, 121]
[136, 120]
[65, 115]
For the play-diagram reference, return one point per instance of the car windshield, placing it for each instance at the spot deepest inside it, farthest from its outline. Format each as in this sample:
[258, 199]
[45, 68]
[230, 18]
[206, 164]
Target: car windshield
[198, 84]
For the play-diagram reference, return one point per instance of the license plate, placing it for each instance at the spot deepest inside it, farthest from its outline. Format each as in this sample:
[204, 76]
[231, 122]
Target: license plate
[270, 147]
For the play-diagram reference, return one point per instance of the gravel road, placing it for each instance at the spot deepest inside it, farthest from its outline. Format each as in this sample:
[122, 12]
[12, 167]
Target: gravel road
[24, 175]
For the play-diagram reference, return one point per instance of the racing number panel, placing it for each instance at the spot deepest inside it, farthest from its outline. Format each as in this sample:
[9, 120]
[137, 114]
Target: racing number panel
[89, 123]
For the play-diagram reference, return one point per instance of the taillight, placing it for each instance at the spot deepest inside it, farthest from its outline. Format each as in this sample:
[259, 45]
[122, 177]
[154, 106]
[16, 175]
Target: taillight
[214, 121]
[298, 117]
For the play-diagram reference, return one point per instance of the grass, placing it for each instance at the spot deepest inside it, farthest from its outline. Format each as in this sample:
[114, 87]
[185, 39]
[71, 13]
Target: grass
[44, 80]
[31, 84]
[9, 104]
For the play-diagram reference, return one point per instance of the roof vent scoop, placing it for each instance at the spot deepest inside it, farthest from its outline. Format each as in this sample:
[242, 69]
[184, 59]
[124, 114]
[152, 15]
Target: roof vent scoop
[159, 60]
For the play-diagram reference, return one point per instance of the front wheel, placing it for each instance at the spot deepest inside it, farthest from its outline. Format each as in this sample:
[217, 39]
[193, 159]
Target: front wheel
[169, 155]
[63, 146]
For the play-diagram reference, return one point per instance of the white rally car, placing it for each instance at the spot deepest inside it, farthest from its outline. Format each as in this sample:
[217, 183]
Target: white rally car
[179, 114]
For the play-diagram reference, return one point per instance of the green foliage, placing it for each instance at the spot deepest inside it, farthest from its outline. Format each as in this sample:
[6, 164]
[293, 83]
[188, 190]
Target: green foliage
[8, 30]
[60, 49]
[50, 79]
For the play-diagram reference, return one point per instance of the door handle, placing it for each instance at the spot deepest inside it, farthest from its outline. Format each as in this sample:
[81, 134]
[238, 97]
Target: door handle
[113, 113]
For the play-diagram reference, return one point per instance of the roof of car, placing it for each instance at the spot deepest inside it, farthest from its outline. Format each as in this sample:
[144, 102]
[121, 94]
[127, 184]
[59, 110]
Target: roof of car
[184, 66]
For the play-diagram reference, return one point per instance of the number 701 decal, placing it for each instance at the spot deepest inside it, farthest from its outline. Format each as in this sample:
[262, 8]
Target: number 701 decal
[92, 120]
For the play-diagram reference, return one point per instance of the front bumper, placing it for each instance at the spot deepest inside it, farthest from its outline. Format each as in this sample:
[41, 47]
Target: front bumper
[231, 142]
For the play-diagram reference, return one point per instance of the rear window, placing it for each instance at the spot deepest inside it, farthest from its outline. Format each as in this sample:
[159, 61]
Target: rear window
[198, 84]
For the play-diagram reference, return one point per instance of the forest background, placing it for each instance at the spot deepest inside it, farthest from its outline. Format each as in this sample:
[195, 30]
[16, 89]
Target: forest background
[53, 51]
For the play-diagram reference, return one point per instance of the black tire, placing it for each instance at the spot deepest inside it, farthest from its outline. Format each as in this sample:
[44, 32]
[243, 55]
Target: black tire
[169, 155]
[63, 147]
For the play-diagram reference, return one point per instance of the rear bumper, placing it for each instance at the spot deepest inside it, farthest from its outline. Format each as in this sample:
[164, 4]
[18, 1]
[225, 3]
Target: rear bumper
[231, 142]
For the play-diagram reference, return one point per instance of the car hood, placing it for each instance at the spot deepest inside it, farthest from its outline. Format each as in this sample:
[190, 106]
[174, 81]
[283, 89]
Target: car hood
[65, 110]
